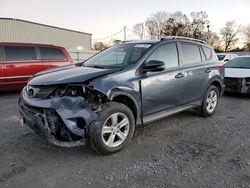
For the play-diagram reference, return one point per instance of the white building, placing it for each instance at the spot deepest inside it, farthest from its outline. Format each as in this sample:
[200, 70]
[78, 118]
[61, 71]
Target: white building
[21, 31]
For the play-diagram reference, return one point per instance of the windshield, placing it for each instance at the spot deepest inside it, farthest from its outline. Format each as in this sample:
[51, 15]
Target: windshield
[220, 57]
[118, 56]
[239, 62]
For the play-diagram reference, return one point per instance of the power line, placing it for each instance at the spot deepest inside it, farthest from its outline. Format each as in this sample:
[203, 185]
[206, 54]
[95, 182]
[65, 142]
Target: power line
[110, 35]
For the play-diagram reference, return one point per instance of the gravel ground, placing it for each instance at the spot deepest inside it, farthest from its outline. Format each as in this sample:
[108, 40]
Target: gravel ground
[183, 150]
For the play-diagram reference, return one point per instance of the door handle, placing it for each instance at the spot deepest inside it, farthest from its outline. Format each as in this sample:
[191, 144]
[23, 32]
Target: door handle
[10, 66]
[179, 75]
[208, 70]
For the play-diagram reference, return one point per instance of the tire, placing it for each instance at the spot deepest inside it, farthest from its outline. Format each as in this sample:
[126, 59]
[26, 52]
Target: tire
[118, 124]
[212, 92]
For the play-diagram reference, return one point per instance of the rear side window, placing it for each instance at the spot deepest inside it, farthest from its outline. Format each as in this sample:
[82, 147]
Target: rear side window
[166, 53]
[19, 53]
[191, 53]
[51, 54]
[207, 52]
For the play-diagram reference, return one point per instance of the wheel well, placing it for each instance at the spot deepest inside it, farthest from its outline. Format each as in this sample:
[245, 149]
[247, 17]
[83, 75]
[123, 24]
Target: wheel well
[217, 84]
[128, 102]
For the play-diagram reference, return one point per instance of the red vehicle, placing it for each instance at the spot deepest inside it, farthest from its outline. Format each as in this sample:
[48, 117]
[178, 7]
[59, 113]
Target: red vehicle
[20, 61]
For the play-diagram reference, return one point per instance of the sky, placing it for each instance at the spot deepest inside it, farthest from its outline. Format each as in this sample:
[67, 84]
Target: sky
[103, 18]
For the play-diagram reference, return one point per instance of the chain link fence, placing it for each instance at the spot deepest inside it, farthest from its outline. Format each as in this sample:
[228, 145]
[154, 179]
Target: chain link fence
[78, 57]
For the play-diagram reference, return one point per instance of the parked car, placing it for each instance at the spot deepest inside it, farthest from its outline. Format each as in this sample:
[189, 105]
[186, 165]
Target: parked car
[225, 57]
[102, 100]
[237, 75]
[19, 62]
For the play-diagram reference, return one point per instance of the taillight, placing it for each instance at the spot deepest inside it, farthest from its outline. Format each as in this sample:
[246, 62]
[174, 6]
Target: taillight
[222, 65]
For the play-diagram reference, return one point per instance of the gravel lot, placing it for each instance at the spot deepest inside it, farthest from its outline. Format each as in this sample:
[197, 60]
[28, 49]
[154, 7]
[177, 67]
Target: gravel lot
[183, 150]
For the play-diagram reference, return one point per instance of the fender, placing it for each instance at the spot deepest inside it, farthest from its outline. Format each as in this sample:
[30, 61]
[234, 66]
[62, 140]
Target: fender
[127, 92]
[215, 78]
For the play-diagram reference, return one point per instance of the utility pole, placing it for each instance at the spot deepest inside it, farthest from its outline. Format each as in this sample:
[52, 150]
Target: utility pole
[208, 32]
[124, 30]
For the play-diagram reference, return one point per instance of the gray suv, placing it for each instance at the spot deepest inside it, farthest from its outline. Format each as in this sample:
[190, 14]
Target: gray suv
[99, 102]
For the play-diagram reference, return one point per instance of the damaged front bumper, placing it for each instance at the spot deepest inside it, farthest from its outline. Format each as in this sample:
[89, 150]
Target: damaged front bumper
[237, 85]
[61, 121]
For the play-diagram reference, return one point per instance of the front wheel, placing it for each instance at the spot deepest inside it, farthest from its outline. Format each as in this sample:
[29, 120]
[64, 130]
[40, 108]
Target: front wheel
[210, 101]
[116, 130]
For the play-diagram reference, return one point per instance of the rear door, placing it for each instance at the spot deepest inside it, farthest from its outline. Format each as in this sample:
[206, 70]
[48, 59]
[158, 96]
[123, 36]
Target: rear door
[20, 64]
[196, 69]
[52, 57]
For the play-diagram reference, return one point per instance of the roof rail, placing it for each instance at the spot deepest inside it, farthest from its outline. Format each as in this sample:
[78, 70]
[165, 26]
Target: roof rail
[184, 38]
[126, 41]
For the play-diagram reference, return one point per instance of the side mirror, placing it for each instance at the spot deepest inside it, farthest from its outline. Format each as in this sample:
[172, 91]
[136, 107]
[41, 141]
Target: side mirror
[154, 66]
[226, 60]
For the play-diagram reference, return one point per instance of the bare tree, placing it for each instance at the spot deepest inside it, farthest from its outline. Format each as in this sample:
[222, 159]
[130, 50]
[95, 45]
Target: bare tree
[176, 25]
[150, 26]
[100, 46]
[155, 24]
[139, 29]
[247, 37]
[214, 40]
[199, 21]
[229, 35]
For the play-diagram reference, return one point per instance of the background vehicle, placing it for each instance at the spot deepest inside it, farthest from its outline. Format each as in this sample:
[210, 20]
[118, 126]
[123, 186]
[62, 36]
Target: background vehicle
[123, 86]
[18, 62]
[225, 57]
[237, 75]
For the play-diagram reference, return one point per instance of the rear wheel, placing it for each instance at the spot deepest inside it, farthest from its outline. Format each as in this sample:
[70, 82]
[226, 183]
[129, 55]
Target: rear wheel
[116, 131]
[210, 101]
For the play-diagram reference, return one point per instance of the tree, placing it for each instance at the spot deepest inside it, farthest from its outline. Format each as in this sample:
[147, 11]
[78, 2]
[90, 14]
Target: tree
[229, 35]
[155, 24]
[199, 21]
[247, 37]
[176, 25]
[139, 29]
[100, 46]
[214, 40]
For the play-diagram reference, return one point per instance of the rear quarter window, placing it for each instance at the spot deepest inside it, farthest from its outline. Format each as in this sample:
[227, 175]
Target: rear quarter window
[207, 52]
[51, 54]
[190, 53]
[19, 53]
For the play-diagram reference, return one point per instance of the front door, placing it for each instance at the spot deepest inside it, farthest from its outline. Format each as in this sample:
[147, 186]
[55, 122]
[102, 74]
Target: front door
[162, 90]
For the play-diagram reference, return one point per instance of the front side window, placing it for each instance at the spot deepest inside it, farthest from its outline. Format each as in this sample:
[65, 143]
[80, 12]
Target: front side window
[51, 54]
[118, 56]
[20, 53]
[191, 53]
[166, 53]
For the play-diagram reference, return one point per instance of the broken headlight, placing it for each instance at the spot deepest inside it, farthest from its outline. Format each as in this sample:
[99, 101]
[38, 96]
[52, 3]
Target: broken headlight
[69, 90]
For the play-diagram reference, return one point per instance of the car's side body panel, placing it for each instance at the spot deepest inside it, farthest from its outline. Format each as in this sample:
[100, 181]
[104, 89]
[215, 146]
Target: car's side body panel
[18, 72]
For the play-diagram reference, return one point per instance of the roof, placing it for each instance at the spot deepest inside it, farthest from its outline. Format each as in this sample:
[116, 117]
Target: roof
[27, 44]
[45, 25]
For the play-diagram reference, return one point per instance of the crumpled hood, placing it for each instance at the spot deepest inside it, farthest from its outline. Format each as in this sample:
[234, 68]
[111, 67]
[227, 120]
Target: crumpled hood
[237, 73]
[68, 74]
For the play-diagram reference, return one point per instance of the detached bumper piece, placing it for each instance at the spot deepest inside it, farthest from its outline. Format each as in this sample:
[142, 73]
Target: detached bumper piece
[60, 121]
[237, 85]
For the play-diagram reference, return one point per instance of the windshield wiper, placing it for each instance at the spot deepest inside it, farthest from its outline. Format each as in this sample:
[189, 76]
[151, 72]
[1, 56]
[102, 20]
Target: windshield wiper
[96, 66]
